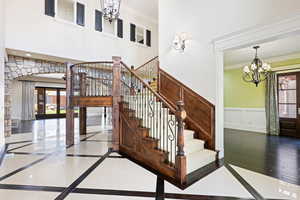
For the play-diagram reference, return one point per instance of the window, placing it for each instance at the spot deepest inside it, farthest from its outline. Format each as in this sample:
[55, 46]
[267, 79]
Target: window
[140, 35]
[50, 8]
[132, 32]
[148, 38]
[65, 10]
[63, 101]
[98, 21]
[51, 101]
[80, 14]
[120, 28]
[287, 93]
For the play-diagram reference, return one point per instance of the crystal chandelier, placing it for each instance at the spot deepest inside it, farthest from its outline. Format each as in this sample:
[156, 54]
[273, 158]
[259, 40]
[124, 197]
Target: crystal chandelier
[110, 9]
[258, 71]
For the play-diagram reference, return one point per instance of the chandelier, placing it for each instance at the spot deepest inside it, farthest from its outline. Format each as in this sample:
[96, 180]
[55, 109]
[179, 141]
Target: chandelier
[257, 72]
[110, 9]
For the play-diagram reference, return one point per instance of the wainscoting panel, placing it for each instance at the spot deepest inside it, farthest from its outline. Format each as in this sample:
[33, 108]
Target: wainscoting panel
[248, 119]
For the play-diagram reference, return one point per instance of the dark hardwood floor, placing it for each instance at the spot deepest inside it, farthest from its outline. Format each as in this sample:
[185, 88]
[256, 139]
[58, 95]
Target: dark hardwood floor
[275, 156]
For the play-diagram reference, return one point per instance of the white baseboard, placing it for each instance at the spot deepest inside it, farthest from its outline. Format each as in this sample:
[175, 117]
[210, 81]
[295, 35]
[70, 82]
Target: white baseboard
[247, 119]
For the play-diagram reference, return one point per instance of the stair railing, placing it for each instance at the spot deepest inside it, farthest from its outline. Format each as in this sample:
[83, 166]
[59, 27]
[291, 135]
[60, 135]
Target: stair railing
[200, 112]
[148, 71]
[95, 77]
[164, 121]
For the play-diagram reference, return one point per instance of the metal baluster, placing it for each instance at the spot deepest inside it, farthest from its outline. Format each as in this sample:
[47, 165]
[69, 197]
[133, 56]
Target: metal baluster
[160, 126]
[142, 104]
[167, 129]
[152, 115]
[163, 127]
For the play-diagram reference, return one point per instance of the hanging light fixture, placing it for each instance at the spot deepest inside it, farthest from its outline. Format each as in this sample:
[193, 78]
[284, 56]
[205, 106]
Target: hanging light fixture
[111, 9]
[258, 71]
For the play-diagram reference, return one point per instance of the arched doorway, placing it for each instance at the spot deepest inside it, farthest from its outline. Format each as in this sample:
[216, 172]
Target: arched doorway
[17, 67]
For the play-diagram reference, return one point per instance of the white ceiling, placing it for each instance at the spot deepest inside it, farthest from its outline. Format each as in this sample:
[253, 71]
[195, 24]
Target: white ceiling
[278, 48]
[146, 7]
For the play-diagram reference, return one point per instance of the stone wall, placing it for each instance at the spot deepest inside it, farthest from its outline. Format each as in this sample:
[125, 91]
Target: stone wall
[17, 67]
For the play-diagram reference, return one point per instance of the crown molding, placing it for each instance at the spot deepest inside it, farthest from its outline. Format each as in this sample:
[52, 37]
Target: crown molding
[269, 60]
[258, 34]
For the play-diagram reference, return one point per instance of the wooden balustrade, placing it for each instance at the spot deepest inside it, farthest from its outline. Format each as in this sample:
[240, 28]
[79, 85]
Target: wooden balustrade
[151, 128]
[148, 126]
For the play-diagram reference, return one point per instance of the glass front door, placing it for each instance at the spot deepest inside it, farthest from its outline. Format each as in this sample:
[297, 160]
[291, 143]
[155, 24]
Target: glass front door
[50, 103]
[289, 104]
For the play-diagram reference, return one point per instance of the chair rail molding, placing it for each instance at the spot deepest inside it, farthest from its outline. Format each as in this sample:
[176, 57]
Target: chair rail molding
[247, 119]
[236, 40]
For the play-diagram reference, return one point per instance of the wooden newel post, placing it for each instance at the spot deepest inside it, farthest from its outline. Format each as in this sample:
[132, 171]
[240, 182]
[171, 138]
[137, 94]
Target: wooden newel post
[82, 110]
[70, 107]
[116, 94]
[180, 157]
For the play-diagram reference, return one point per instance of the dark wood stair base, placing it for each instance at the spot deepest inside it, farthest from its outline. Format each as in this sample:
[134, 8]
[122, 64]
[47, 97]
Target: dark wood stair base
[135, 141]
[137, 146]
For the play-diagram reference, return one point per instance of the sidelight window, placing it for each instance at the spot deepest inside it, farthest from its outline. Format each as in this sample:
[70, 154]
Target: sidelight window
[287, 94]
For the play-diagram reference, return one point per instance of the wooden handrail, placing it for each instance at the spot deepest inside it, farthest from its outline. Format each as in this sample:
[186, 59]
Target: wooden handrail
[89, 63]
[146, 63]
[172, 109]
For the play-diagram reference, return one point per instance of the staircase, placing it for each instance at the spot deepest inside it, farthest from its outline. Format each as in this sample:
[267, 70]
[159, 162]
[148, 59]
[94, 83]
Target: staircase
[169, 134]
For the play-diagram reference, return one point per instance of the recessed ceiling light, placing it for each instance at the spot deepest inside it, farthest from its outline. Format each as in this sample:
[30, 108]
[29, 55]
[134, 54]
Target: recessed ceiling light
[28, 54]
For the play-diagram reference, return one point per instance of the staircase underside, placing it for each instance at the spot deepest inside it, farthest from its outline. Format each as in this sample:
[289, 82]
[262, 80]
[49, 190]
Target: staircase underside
[191, 177]
[140, 145]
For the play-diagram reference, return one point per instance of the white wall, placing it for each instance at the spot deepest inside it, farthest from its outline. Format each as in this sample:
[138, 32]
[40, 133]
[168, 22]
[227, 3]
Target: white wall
[27, 28]
[204, 21]
[1, 73]
[247, 119]
[16, 100]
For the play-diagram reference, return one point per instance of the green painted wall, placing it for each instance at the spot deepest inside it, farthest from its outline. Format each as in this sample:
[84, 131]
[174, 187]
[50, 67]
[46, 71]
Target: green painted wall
[239, 94]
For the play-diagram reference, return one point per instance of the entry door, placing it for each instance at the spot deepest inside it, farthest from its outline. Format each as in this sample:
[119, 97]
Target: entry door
[50, 103]
[289, 104]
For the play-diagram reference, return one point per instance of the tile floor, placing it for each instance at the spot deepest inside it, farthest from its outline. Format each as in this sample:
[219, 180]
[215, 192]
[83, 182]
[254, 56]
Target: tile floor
[44, 168]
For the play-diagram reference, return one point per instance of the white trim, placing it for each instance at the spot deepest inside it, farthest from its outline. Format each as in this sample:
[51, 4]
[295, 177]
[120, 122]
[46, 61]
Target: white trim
[288, 68]
[238, 40]
[219, 132]
[260, 34]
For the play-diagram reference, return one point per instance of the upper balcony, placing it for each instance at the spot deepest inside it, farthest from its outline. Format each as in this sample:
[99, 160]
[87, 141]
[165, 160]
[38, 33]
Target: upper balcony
[75, 30]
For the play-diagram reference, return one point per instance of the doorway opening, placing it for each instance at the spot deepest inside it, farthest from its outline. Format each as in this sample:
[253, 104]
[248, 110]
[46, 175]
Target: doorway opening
[261, 123]
[50, 103]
